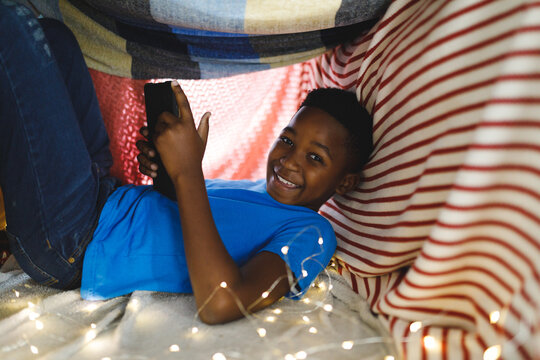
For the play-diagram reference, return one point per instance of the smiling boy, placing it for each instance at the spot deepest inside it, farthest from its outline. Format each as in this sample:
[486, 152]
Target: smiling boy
[317, 155]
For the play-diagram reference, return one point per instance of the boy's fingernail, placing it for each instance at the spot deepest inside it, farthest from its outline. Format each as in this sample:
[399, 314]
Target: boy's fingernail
[154, 167]
[175, 83]
[154, 174]
[151, 153]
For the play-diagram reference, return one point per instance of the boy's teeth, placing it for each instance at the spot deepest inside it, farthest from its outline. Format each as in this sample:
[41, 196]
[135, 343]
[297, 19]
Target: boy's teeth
[285, 181]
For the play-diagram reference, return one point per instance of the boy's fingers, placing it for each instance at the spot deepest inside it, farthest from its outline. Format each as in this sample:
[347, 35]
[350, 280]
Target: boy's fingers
[204, 127]
[147, 163]
[184, 110]
[145, 171]
[145, 148]
[144, 131]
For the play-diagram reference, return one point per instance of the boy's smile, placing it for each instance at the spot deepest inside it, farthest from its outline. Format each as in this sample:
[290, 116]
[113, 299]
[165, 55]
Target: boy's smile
[308, 162]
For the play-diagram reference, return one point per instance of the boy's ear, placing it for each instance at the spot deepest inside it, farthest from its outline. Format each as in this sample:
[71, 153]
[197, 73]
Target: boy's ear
[348, 183]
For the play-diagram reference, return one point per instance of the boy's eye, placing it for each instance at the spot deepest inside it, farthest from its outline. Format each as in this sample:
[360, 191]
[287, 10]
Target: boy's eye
[315, 157]
[286, 140]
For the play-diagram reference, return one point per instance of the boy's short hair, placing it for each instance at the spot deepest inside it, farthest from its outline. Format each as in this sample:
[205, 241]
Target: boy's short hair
[345, 108]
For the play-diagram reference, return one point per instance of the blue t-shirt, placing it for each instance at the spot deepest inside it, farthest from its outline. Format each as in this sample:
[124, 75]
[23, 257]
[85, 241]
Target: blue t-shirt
[138, 244]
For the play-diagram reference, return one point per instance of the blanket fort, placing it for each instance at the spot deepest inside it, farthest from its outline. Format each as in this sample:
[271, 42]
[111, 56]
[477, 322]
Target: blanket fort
[441, 239]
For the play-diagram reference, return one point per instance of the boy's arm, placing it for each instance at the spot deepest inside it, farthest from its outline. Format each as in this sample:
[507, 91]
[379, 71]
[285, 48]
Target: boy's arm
[181, 147]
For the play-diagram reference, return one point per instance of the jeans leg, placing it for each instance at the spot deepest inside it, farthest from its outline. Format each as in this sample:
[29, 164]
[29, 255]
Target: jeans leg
[51, 191]
[80, 87]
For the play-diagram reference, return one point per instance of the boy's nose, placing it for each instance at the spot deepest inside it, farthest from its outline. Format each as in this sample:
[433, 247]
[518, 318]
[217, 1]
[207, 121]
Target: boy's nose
[289, 161]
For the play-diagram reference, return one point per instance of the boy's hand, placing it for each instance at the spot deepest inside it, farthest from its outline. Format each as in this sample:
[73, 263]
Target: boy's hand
[180, 145]
[147, 164]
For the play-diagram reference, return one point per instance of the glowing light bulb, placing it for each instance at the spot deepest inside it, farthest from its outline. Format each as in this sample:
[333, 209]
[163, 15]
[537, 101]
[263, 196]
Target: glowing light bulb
[306, 301]
[313, 330]
[16, 293]
[90, 335]
[93, 326]
[330, 287]
[415, 326]
[174, 348]
[328, 307]
[347, 345]
[223, 284]
[270, 318]
[285, 250]
[261, 332]
[429, 342]
[301, 355]
[34, 349]
[277, 311]
[320, 241]
[194, 330]
[91, 307]
[33, 315]
[39, 325]
[218, 356]
[106, 358]
[389, 357]
[133, 305]
[265, 294]
[492, 352]
[322, 285]
[290, 357]
[305, 318]
[494, 317]
[31, 304]
[304, 273]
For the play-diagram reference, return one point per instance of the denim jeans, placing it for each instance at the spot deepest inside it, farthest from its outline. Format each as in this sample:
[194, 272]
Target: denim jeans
[54, 149]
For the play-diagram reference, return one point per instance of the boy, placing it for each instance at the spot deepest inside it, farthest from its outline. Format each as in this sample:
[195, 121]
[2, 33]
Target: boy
[241, 245]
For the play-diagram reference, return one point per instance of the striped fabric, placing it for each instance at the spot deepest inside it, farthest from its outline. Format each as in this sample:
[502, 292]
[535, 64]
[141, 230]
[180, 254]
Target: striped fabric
[443, 236]
[143, 39]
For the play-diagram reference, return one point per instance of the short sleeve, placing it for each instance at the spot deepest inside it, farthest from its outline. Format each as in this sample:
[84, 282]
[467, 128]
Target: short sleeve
[307, 249]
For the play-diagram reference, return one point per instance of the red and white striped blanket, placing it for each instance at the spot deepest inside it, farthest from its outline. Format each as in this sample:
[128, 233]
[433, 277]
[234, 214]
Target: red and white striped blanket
[443, 236]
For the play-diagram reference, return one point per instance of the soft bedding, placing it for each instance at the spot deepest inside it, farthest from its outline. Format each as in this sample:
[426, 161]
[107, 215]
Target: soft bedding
[37, 322]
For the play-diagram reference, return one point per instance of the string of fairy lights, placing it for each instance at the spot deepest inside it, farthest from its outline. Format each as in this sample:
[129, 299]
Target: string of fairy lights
[35, 315]
[317, 300]
[319, 291]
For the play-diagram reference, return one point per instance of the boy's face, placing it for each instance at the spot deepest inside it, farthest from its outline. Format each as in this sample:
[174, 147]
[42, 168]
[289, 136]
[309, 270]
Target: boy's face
[308, 163]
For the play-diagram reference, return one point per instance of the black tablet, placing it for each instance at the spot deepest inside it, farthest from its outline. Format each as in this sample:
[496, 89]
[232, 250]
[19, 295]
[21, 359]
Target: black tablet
[158, 98]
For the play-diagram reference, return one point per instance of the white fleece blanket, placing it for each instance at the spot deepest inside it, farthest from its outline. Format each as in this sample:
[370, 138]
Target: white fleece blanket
[37, 322]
